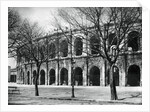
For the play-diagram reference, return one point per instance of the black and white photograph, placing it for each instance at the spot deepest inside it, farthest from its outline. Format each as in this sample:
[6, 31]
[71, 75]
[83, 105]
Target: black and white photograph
[76, 55]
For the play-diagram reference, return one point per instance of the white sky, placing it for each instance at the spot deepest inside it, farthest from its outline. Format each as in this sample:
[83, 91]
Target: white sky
[43, 15]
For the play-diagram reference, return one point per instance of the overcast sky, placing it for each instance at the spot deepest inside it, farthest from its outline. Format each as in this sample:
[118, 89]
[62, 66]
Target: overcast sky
[43, 15]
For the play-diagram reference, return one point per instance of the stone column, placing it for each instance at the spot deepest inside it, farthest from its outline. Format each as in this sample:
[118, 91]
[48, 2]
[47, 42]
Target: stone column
[85, 47]
[48, 77]
[140, 77]
[31, 82]
[56, 75]
[45, 77]
[122, 76]
[85, 76]
[69, 75]
[102, 76]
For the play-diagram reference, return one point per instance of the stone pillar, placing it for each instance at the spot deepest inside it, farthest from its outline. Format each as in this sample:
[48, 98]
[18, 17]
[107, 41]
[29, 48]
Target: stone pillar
[140, 43]
[140, 77]
[85, 76]
[69, 75]
[45, 77]
[31, 76]
[56, 75]
[48, 77]
[69, 49]
[59, 77]
[102, 76]
[122, 76]
[85, 45]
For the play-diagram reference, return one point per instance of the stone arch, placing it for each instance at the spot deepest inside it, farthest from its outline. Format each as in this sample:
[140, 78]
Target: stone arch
[78, 76]
[34, 75]
[42, 77]
[28, 77]
[64, 48]
[116, 75]
[64, 76]
[78, 46]
[94, 77]
[134, 40]
[52, 50]
[94, 45]
[133, 78]
[52, 77]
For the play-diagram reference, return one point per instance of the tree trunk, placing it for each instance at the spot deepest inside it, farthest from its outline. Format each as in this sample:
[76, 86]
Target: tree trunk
[36, 81]
[36, 89]
[112, 84]
[72, 77]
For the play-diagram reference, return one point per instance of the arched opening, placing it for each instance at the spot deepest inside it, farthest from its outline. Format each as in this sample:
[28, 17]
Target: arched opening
[133, 78]
[52, 77]
[64, 48]
[94, 76]
[78, 76]
[64, 76]
[94, 45]
[78, 46]
[28, 77]
[116, 75]
[133, 40]
[42, 78]
[42, 51]
[12, 78]
[52, 50]
[34, 75]
[112, 40]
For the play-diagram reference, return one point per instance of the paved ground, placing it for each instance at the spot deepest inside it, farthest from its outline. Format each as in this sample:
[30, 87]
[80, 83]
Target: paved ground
[61, 95]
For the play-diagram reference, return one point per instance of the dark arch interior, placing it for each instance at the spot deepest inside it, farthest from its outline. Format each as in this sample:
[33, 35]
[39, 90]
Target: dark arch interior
[12, 78]
[52, 50]
[78, 76]
[112, 39]
[42, 79]
[78, 46]
[64, 48]
[94, 45]
[116, 75]
[133, 40]
[95, 76]
[34, 75]
[133, 76]
[52, 77]
[28, 77]
[64, 76]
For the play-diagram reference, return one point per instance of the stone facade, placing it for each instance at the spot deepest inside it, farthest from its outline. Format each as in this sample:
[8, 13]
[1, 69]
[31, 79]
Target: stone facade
[89, 71]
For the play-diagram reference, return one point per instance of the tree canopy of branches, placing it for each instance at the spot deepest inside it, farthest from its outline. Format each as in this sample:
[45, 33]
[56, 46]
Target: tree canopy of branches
[101, 22]
[14, 21]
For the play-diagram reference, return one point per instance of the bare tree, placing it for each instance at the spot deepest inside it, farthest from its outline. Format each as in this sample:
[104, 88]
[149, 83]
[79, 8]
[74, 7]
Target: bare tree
[101, 22]
[30, 47]
[14, 21]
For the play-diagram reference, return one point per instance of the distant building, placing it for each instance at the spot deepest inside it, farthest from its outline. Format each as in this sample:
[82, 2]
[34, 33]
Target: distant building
[12, 74]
